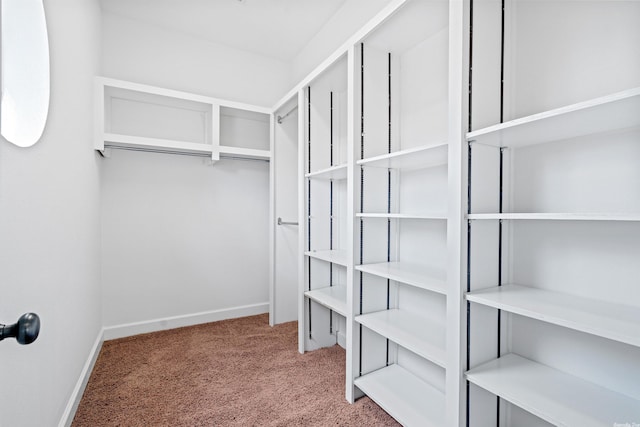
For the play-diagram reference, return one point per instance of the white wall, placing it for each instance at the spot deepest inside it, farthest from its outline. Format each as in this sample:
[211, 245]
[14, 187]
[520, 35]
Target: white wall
[181, 237]
[342, 25]
[50, 232]
[144, 53]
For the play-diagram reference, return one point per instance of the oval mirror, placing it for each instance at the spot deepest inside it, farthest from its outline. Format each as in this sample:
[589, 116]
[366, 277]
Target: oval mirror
[24, 71]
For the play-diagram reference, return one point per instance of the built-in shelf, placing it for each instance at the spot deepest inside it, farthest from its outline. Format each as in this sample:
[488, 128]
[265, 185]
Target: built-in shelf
[114, 140]
[414, 158]
[133, 116]
[438, 216]
[332, 297]
[556, 397]
[608, 113]
[558, 216]
[613, 321]
[420, 335]
[334, 256]
[404, 396]
[408, 273]
[334, 172]
[244, 153]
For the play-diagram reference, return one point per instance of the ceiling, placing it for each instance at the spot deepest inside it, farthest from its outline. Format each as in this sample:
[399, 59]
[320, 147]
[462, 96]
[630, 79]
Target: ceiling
[275, 28]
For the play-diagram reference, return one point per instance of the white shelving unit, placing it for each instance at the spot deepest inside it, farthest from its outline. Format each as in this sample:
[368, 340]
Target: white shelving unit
[409, 274]
[334, 172]
[401, 216]
[605, 114]
[564, 216]
[485, 257]
[412, 158]
[333, 256]
[553, 220]
[554, 396]
[133, 116]
[408, 399]
[616, 322]
[332, 297]
[400, 286]
[419, 335]
[323, 293]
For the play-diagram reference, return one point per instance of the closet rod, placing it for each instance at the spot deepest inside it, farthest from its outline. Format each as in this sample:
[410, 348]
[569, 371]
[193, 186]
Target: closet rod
[279, 119]
[179, 153]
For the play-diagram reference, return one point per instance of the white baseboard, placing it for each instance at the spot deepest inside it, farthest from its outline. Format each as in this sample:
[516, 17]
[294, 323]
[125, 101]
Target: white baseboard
[130, 329]
[78, 390]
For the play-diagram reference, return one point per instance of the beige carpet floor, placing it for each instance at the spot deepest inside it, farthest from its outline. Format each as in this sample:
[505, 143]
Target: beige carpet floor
[238, 372]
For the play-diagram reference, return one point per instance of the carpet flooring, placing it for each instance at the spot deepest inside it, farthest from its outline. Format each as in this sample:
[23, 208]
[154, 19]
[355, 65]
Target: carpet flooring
[238, 372]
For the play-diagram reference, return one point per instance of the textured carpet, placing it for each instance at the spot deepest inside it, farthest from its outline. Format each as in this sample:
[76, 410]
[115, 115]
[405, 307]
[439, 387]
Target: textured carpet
[238, 372]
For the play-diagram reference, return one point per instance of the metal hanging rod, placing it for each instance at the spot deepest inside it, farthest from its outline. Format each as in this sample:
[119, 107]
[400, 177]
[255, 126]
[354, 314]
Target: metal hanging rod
[279, 119]
[182, 153]
[157, 150]
[281, 222]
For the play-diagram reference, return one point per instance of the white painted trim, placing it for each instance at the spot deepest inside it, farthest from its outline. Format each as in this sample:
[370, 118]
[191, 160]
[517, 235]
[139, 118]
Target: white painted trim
[302, 221]
[74, 400]
[129, 329]
[138, 87]
[342, 339]
[455, 391]
[382, 16]
[98, 115]
[272, 221]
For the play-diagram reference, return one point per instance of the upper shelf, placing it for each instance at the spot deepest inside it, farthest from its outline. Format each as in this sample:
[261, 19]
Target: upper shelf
[147, 118]
[613, 321]
[558, 216]
[608, 113]
[556, 397]
[334, 172]
[115, 140]
[414, 158]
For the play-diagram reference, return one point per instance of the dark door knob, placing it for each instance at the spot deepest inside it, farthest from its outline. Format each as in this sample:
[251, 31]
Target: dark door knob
[25, 331]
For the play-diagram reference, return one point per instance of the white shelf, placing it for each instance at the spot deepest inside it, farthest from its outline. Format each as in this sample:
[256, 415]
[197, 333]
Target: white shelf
[556, 397]
[334, 172]
[613, 321]
[558, 216]
[410, 274]
[114, 140]
[244, 153]
[608, 113]
[415, 333]
[332, 297]
[414, 158]
[147, 118]
[334, 256]
[438, 216]
[405, 397]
